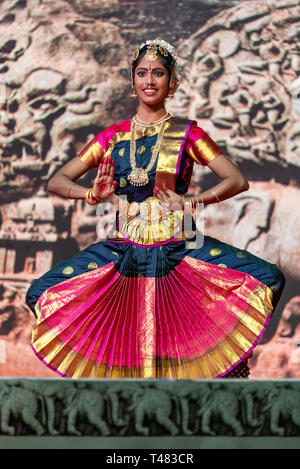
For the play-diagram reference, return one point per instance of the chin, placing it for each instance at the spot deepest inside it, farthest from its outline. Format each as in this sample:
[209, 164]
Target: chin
[153, 101]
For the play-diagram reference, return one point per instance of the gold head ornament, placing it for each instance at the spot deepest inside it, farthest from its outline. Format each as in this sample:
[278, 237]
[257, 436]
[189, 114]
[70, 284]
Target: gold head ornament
[151, 54]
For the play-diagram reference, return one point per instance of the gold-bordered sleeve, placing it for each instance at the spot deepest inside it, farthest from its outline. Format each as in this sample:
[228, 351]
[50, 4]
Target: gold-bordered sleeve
[200, 146]
[92, 153]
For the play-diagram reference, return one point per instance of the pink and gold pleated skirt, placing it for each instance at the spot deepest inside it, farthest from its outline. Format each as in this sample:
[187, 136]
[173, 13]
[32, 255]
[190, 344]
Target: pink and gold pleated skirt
[192, 319]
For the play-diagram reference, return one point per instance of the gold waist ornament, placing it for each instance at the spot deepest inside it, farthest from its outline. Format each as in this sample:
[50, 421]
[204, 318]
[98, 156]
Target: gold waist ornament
[149, 222]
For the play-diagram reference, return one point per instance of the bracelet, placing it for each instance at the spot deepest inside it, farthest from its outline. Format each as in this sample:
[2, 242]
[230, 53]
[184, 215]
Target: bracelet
[196, 200]
[187, 201]
[69, 190]
[213, 192]
[90, 199]
[193, 201]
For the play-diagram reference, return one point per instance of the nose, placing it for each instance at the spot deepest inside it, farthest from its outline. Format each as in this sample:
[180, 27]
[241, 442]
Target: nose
[150, 78]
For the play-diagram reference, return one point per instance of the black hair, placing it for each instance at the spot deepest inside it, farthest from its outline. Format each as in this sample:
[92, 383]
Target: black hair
[167, 61]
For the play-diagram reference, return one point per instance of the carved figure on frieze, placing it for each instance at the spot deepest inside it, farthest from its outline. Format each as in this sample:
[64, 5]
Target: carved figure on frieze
[239, 98]
[250, 35]
[266, 149]
[208, 66]
[251, 394]
[120, 397]
[183, 393]
[293, 55]
[219, 404]
[273, 52]
[157, 406]
[273, 107]
[283, 404]
[237, 147]
[269, 404]
[88, 404]
[51, 394]
[19, 403]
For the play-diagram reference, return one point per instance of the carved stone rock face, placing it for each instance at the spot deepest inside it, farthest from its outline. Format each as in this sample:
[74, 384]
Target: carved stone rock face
[240, 81]
[64, 76]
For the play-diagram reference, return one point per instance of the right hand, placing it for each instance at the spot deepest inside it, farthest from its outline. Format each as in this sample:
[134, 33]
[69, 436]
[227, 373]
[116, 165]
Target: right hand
[104, 184]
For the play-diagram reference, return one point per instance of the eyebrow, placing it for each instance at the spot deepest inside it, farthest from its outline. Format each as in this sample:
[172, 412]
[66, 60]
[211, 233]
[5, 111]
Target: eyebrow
[153, 69]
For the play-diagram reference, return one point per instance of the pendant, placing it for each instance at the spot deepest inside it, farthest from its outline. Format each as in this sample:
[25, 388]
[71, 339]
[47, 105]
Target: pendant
[138, 177]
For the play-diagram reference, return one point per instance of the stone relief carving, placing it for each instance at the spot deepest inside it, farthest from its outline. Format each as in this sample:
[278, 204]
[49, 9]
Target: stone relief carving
[241, 83]
[240, 79]
[152, 408]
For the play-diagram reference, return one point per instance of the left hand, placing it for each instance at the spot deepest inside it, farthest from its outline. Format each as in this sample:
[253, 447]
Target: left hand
[169, 199]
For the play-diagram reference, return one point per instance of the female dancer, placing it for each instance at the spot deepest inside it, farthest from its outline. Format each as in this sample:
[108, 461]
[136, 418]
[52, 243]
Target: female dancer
[145, 302]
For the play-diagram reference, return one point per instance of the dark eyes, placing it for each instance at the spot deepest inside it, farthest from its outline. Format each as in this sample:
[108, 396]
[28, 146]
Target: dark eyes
[157, 73]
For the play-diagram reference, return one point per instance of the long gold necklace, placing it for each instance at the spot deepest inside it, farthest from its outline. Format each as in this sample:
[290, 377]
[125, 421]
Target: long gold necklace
[139, 176]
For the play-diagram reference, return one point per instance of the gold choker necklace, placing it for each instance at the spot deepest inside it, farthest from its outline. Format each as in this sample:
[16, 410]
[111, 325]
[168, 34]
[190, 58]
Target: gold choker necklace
[137, 121]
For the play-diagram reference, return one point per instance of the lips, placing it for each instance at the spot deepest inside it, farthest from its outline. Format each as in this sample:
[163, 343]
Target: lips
[150, 90]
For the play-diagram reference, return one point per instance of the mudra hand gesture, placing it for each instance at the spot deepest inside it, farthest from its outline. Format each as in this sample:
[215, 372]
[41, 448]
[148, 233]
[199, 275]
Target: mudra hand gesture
[104, 184]
[169, 199]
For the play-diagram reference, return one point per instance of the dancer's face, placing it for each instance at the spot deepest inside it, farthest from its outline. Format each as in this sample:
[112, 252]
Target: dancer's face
[151, 81]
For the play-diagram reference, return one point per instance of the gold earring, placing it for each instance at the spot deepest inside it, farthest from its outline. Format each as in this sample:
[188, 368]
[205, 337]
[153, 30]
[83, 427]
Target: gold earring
[133, 94]
[170, 95]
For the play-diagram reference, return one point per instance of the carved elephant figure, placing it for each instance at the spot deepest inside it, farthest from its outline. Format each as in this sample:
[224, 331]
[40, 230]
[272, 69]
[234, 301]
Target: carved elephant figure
[120, 392]
[252, 395]
[153, 403]
[284, 404]
[87, 403]
[220, 404]
[48, 394]
[19, 402]
[182, 393]
[273, 401]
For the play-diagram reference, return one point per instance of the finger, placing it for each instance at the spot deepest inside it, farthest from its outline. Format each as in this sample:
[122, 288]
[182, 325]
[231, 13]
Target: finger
[108, 163]
[169, 193]
[110, 166]
[107, 166]
[112, 169]
[162, 196]
[156, 191]
[100, 177]
[103, 168]
[99, 172]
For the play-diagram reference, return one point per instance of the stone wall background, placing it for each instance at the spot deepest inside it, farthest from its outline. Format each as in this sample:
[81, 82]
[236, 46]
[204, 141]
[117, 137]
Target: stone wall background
[64, 77]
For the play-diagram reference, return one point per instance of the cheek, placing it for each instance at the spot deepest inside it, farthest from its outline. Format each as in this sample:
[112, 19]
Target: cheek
[139, 80]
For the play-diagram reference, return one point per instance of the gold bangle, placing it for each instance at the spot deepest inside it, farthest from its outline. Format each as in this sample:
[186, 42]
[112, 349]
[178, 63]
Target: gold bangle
[90, 199]
[195, 201]
[213, 192]
[69, 190]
